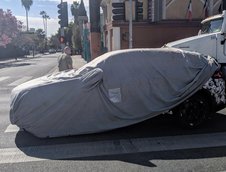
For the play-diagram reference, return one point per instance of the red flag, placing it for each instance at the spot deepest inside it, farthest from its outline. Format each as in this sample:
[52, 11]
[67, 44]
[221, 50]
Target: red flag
[220, 9]
[205, 8]
[189, 11]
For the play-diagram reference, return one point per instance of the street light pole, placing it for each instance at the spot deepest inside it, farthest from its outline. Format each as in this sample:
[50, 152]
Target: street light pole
[131, 24]
[62, 33]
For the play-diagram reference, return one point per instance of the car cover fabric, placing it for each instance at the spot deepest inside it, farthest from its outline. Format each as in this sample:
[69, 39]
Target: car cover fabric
[116, 89]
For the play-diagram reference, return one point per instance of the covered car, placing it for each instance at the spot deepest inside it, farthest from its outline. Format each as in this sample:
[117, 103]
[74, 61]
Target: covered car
[116, 89]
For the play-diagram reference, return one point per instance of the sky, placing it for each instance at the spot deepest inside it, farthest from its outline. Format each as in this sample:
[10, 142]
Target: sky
[35, 19]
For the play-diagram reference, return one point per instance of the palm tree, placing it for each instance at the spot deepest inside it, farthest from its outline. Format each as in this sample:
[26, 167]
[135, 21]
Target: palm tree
[74, 11]
[43, 13]
[27, 4]
[44, 17]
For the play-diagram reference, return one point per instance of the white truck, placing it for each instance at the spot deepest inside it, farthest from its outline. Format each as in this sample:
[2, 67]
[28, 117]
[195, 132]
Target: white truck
[209, 41]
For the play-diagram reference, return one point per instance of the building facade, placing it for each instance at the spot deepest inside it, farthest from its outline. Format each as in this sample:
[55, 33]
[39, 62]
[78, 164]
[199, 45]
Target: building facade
[161, 22]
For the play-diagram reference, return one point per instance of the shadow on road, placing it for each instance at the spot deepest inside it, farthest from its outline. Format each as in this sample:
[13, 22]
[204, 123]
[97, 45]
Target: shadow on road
[13, 64]
[145, 159]
[159, 126]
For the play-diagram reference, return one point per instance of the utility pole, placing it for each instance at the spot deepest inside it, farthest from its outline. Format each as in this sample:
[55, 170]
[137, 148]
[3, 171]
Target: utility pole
[131, 24]
[62, 33]
[62, 36]
[63, 16]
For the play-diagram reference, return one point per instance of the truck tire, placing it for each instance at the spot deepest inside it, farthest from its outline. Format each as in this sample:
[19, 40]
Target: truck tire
[192, 112]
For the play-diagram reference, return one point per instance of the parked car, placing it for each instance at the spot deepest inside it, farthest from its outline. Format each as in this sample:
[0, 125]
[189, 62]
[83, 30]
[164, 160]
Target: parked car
[59, 50]
[51, 51]
[117, 89]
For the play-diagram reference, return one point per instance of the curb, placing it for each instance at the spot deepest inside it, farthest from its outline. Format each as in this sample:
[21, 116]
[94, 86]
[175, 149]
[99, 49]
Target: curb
[78, 62]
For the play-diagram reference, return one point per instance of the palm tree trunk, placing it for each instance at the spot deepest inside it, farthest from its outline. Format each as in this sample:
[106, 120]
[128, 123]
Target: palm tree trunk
[27, 19]
[46, 33]
[46, 28]
[43, 23]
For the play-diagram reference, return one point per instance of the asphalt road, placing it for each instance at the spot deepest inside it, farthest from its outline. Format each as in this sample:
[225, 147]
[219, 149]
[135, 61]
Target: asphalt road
[158, 144]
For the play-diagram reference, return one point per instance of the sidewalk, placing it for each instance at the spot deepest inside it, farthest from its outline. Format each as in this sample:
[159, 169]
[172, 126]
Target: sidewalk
[78, 62]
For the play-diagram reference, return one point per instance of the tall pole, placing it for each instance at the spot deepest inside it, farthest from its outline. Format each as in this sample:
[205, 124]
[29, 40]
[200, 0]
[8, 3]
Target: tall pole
[46, 40]
[27, 19]
[46, 27]
[62, 33]
[131, 24]
[95, 33]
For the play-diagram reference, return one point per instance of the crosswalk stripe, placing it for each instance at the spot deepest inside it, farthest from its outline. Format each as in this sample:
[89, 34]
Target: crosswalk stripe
[20, 81]
[111, 147]
[3, 78]
[12, 128]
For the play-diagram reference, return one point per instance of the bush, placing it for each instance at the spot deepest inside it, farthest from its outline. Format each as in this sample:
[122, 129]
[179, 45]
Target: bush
[11, 51]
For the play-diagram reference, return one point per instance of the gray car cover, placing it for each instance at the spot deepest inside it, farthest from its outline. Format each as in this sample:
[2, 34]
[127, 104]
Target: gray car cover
[116, 89]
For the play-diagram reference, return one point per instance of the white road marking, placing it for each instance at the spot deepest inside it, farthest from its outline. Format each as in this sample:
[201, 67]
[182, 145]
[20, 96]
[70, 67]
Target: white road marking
[4, 98]
[3, 78]
[12, 128]
[111, 147]
[20, 81]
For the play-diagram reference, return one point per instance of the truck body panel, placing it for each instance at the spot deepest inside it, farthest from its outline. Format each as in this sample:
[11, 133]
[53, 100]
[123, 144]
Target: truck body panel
[210, 40]
[204, 44]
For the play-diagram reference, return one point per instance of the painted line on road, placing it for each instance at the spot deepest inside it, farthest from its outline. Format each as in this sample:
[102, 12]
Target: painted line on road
[12, 128]
[4, 98]
[20, 81]
[3, 78]
[111, 147]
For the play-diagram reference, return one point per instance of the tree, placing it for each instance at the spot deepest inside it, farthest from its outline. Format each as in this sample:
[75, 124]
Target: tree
[54, 42]
[27, 4]
[69, 33]
[44, 17]
[40, 33]
[9, 27]
[24, 40]
[30, 41]
[75, 11]
[76, 36]
[40, 40]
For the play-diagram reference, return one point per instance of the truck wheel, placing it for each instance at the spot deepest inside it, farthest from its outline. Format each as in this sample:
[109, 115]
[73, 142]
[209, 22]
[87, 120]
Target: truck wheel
[192, 112]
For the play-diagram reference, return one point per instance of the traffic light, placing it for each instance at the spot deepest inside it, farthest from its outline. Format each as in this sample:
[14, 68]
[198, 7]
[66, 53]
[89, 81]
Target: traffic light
[118, 11]
[62, 39]
[63, 14]
[139, 10]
